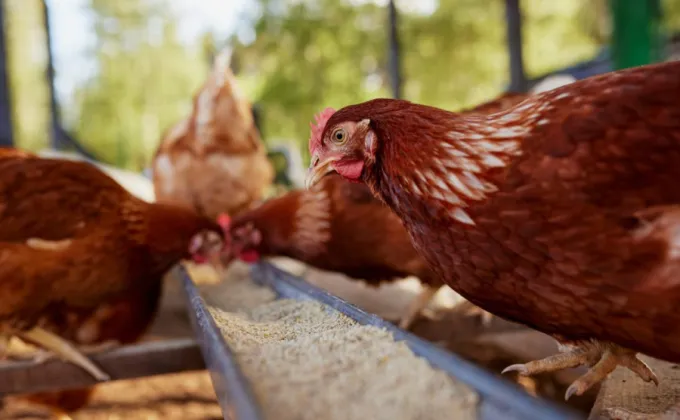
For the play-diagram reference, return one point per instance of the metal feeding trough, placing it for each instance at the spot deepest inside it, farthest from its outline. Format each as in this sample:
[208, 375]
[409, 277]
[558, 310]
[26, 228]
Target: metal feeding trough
[499, 398]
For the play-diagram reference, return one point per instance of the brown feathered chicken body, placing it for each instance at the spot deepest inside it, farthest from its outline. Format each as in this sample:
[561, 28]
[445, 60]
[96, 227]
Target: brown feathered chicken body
[336, 226]
[559, 213]
[214, 161]
[122, 321]
[72, 239]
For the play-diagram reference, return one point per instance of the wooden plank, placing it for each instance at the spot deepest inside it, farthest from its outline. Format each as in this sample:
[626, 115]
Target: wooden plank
[625, 396]
[133, 361]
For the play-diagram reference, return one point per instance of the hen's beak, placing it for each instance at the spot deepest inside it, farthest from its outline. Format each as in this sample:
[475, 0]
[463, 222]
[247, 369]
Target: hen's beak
[318, 170]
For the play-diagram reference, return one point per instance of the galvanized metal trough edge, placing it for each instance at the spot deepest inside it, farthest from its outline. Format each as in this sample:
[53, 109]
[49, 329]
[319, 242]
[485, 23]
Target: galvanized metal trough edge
[233, 390]
[501, 399]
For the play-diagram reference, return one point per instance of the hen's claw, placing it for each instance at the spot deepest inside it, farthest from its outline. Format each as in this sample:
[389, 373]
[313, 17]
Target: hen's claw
[603, 359]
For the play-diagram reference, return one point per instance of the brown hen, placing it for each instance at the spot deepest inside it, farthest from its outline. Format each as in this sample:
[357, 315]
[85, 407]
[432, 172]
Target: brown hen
[336, 226]
[72, 239]
[121, 321]
[214, 161]
[560, 213]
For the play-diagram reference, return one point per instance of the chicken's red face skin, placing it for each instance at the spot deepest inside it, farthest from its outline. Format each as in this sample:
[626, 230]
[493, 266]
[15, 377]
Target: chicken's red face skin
[533, 213]
[345, 146]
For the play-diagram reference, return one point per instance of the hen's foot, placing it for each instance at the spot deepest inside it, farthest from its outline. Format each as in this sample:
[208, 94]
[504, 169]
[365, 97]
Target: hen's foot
[602, 359]
[65, 350]
[417, 306]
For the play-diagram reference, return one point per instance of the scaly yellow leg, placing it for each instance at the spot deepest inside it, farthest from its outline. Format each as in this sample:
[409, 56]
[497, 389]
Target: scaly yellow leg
[64, 349]
[602, 358]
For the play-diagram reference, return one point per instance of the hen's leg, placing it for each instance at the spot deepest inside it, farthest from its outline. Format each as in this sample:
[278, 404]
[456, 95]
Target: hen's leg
[417, 306]
[603, 358]
[63, 349]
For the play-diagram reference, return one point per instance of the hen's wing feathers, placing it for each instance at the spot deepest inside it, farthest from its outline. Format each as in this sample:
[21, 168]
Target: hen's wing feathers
[73, 195]
[597, 153]
[596, 140]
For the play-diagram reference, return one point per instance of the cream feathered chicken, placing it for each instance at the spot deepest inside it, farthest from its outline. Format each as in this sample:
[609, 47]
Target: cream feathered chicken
[214, 161]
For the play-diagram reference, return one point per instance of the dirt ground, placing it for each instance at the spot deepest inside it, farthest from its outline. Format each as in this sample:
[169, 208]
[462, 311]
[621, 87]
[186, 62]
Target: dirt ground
[189, 396]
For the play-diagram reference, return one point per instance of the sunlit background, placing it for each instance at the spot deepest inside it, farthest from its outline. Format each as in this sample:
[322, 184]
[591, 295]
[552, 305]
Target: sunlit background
[126, 70]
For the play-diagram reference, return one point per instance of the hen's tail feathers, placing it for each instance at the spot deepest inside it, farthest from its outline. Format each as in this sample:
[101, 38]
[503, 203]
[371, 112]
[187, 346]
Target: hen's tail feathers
[65, 350]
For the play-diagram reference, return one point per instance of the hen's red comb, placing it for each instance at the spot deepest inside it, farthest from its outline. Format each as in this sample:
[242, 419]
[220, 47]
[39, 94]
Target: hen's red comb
[317, 128]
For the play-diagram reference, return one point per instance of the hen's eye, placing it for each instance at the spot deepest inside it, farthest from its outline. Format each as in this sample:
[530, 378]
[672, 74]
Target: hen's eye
[339, 135]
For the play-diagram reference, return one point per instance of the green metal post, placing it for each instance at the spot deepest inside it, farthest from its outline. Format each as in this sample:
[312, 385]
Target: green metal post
[636, 38]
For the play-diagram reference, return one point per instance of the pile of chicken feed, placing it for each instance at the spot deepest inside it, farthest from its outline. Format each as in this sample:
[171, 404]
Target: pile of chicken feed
[307, 361]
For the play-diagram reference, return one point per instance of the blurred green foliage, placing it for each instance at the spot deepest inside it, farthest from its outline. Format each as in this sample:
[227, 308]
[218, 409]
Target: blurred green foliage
[27, 57]
[307, 54]
[144, 84]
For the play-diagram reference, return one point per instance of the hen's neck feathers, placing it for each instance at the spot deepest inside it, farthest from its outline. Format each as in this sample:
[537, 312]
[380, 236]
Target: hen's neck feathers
[163, 230]
[450, 157]
[312, 222]
[295, 225]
